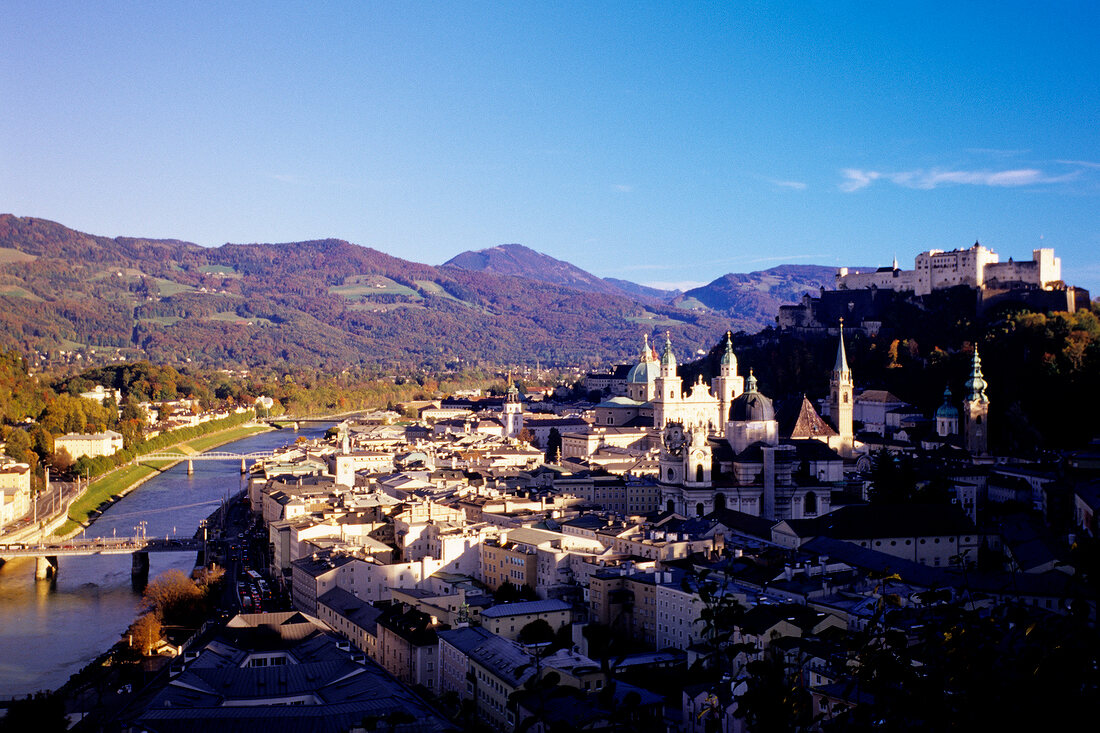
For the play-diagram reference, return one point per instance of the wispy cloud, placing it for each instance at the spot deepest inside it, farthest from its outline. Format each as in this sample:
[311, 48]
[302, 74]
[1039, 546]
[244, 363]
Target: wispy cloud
[1082, 163]
[795, 185]
[997, 152]
[856, 178]
[622, 188]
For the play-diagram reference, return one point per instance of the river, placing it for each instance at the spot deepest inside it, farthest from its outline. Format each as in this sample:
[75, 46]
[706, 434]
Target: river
[51, 629]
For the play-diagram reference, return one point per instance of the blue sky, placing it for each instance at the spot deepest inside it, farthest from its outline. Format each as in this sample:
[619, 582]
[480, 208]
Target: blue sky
[662, 143]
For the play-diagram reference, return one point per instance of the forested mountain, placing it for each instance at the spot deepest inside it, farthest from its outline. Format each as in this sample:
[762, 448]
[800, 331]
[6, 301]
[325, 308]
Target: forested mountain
[322, 303]
[515, 259]
[756, 296]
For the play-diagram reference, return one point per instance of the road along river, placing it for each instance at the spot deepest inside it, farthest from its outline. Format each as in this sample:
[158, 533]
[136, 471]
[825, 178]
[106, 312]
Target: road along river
[51, 629]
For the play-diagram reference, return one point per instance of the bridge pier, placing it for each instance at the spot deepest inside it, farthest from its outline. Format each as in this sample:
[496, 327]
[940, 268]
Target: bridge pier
[190, 467]
[45, 568]
[244, 468]
[139, 570]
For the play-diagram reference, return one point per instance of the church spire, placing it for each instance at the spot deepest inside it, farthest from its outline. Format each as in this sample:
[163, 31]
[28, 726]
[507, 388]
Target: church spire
[976, 384]
[728, 358]
[841, 356]
[842, 398]
[668, 359]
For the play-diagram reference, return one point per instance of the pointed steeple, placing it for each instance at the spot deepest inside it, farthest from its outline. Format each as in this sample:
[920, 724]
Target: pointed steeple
[668, 359]
[895, 261]
[750, 383]
[728, 358]
[841, 365]
[842, 398]
[647, 351]
[976, 384]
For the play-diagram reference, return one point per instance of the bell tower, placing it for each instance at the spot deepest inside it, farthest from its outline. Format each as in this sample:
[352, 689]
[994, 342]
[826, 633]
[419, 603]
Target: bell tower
[513, 412]
[842, 398]
[976, 409]
[668, 387]
[727, 386]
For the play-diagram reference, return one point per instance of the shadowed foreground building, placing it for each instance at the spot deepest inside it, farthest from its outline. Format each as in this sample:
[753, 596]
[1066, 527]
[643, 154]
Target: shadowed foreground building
[277, 672]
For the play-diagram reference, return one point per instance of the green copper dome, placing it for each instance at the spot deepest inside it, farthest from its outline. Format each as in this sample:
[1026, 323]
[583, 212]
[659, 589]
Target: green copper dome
[750, 405]
[728, 358]
[668, 359]
[947, 409]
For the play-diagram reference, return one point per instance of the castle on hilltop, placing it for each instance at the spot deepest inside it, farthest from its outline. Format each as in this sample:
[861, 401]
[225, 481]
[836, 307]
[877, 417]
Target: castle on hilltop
[864, 297]
[976, 267]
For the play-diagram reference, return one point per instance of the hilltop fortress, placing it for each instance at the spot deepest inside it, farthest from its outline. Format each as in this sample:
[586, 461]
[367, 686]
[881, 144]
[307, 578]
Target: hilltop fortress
[976, 267]
[861, 296]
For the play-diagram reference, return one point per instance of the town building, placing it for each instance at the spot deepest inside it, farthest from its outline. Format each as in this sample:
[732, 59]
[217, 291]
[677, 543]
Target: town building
[92, 445]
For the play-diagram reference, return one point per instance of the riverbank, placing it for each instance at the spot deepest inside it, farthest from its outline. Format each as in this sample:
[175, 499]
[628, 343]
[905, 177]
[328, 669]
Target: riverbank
[108, 489]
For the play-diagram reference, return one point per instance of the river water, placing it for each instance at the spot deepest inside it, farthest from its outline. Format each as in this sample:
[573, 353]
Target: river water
[51, 629]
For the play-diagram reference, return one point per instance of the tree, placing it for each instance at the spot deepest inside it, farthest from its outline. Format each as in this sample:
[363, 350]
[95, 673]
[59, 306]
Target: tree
[61, 461]
[721, 617]
[538, 631]
[774, 698]
[145, 633]
[553, 446]
[174, 598]
[42, 713]
[19, 446]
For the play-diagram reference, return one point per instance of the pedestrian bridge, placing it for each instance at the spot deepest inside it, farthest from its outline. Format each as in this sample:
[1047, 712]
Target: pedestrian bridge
[208, 456]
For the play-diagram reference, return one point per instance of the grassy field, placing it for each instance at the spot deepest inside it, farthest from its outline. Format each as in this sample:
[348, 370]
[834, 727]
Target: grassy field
[219, 270]
[123, 479]
[652, 319]
[364, 286]
[9, 255]
[231, 317]
[171, 287]
[690, 304]
[14, 291]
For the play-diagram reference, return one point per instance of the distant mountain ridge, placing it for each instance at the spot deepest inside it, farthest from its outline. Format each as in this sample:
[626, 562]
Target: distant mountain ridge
[330, 303]
[758, 295]
[520, 261]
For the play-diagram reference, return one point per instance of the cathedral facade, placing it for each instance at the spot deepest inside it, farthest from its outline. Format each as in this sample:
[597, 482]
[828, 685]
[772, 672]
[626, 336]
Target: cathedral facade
[721, 447]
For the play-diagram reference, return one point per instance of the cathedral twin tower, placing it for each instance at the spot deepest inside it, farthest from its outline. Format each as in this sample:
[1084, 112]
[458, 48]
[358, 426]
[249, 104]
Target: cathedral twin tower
[732, 407]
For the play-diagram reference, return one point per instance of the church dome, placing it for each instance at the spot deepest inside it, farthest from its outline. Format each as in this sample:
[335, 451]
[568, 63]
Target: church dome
[751, 406]
[947, 409]
[643, 372]
[647, 369]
